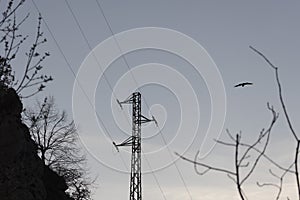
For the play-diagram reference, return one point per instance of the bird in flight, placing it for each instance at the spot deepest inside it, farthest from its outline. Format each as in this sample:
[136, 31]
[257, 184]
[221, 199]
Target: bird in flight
[243, 84]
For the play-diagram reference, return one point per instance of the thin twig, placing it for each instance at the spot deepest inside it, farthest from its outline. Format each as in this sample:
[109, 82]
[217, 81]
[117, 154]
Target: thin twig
[205, 165]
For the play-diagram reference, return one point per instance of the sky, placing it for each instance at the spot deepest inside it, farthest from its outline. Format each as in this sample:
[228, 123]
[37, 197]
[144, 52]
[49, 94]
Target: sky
[185, 58]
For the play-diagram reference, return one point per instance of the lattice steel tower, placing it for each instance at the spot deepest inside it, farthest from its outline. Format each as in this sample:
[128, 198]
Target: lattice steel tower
[135, 142]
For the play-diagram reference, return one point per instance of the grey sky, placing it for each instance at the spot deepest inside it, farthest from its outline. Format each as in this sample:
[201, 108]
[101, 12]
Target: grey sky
[225, 29]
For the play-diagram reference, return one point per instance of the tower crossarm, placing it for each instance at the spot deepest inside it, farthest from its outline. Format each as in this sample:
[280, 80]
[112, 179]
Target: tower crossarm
[145, 119]
[129, 100]
[127, 142]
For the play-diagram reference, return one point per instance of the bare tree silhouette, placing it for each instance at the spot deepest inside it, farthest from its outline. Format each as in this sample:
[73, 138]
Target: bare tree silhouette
[244, 167]
[287, 117]
[12, 41]
[57, 142]
[56, 138]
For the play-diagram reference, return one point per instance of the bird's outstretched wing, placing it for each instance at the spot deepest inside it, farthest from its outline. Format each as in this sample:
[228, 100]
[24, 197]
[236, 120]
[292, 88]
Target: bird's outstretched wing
[243, 84]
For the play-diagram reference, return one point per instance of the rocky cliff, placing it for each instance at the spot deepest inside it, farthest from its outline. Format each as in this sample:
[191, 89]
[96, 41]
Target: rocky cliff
[23, 175]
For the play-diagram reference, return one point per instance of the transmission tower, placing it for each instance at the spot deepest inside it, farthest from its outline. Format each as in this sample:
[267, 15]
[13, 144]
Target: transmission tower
[135, 142]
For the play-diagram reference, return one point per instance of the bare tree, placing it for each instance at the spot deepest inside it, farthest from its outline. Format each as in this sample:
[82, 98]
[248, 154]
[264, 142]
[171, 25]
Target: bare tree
[287, 117]
[56, 138]
[247, 156]
[57, 142]
[243, 168]
[11, 41]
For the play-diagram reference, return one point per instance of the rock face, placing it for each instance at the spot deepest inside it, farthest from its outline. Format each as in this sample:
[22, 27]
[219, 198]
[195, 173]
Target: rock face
[23, 176]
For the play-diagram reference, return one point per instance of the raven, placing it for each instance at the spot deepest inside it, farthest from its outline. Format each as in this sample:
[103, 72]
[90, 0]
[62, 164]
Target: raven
[243, 84]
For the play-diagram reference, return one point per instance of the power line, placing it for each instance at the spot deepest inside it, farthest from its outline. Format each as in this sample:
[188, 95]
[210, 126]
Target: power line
[72, 71]
[89, 46]
[179, 172]
[95, 58]
[74, 74]
[87, 42]
[155, 177]
[125, 60]
[127, 64]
